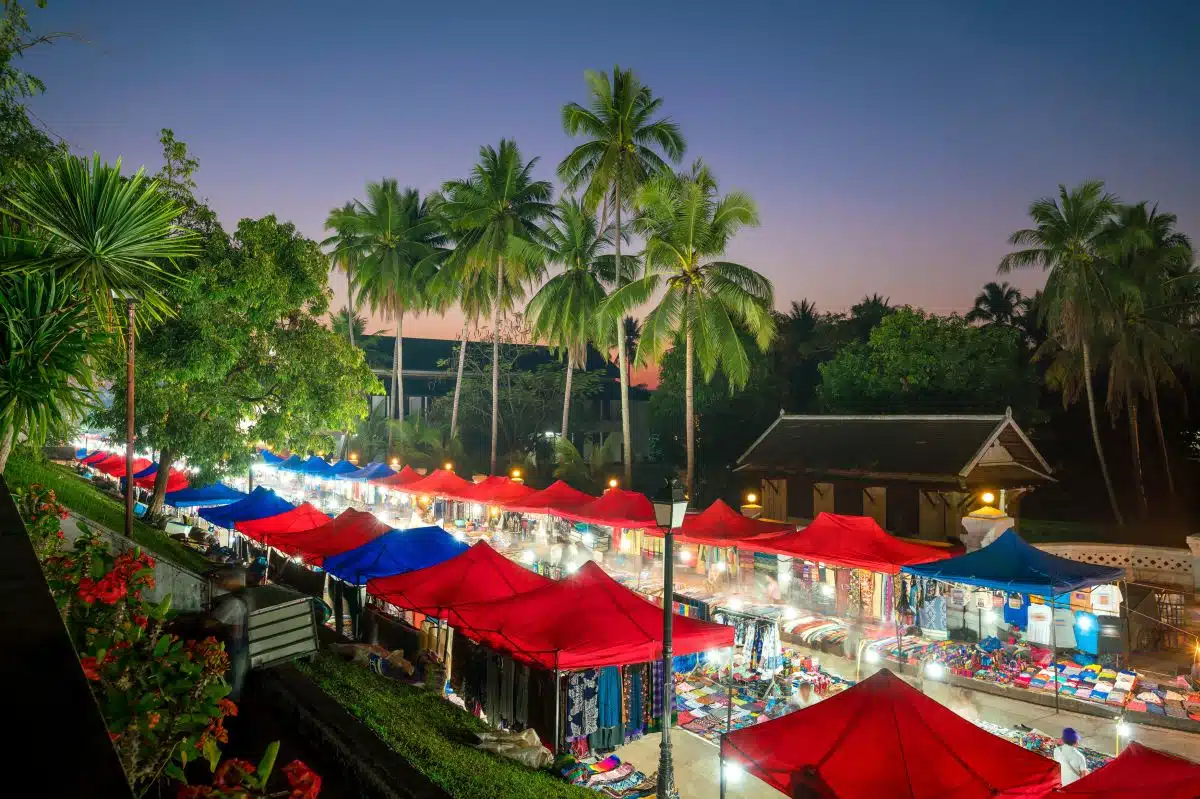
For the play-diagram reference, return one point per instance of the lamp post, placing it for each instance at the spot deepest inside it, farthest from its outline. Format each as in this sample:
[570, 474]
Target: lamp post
[668, 513]
[129, 312]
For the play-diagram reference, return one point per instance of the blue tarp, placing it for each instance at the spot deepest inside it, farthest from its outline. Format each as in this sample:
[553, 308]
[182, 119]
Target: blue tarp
[215, 494]
[316, 467]
[270, 458]
[261, 503]
[1010, 564]
[342, 467]
[149, 470]
[394, 552]
[372, 471]
[82, 453]
[292, 464]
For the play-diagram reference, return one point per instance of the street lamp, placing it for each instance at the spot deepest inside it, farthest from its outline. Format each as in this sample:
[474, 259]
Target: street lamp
[668, 514]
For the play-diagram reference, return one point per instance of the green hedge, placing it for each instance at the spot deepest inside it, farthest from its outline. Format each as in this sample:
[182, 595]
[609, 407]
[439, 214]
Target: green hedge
[85, 499]
[433, 735]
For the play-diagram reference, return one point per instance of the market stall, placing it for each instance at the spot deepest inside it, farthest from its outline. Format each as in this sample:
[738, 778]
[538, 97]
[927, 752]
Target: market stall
[883, 739]
[1018, 609]
[298, 519]
[213, 495]
[349, 530]
[258, 504]
[93, 458]
[394, 552]
[1140, 772]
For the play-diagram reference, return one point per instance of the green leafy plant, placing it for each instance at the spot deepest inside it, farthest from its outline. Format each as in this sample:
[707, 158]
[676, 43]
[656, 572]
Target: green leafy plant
[241, 779]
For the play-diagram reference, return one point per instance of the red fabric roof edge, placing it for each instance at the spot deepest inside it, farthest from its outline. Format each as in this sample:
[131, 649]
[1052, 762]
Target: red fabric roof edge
[176, 480]
[439, 483]
[481, 491]
[856, 542]
[405, 477]
[481, 574]
[1140, 772]
[722, 526]
[350, 530]
[884, 739]
[115, 465]
[555, 498]
[627, 510]
[587, 620]
[297, 520]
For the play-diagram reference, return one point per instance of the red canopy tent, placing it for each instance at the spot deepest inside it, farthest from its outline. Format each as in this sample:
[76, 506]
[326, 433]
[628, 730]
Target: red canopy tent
[95, 457]
[481, 574]
[297, 520]
[556, 498]
[721, 526]
[1139, 772]
[176, 480]
[627, 510]
[510, 492]
[405, 477]
[115, 465]
[587, 620]
[350, 530]
[883, 739]
[856, 542]
[439, 483]
[481, 491]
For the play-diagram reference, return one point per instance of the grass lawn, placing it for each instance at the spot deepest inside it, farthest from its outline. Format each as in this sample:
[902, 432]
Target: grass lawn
[89, 502]
[433, 735]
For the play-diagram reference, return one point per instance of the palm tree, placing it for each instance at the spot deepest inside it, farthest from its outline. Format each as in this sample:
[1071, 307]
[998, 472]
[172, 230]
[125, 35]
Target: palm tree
[345, 258]
[867, 314]
[1155, 289]
[563, 312]
[997, 304]
[394, 242]
[107, 235]
[705, 302]
[625, 140]
[1065, 240]
[344, 323]
[495, 215]
[632, 330]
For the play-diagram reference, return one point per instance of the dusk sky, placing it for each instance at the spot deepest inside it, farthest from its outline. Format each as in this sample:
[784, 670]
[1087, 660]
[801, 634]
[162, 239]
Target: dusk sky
[892, 147]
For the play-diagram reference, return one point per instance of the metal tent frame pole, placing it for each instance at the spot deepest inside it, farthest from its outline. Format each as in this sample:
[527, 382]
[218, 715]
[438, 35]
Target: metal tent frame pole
[1054, 647]
[557, 705]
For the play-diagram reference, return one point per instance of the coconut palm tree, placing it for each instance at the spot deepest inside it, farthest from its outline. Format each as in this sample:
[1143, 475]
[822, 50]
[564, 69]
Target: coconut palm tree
[627, 143]
[345, 258]
[706, 302]
[495, 214]
[107, 235]
[393, 241]
[348, 323]
[997, 304]
[563, 312]
[1156, 294]
[1065, 240]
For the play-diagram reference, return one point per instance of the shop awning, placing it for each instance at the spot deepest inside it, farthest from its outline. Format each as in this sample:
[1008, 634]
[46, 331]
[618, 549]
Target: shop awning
[114, 466]
[439, 483]
[343, 467]
[270, 458]
[856, 542]
[298, 519]
[481, 574]
[394, 552]
[94, 457]
[587, 620]
[556, 498]
[261, 503]
[400, 480]
[215, 494]
[721, 526]
[1140, 772]
[627, 510]
[372, 471]
[350, 530]
[886, 740]
[1010, 564]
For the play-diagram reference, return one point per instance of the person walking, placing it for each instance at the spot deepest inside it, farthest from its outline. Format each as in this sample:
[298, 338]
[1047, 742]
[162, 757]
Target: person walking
[1069, 758]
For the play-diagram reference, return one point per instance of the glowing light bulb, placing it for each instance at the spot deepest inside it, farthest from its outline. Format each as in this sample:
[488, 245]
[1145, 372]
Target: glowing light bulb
[871, 656]
[1124, 730]
[1085, 623]
[588, 539]
[448, 466]
[685, 557]
[988, 497]
[719, 566]
[935, 671]
[612, 482]
[529, 557]
[735, 603]
[733, 773]
[626, 545]
[751, 499]
[790, 613]
[827, 589]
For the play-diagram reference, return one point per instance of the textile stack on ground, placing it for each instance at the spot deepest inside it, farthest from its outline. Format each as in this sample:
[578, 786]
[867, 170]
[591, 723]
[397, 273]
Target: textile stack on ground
[608, 776]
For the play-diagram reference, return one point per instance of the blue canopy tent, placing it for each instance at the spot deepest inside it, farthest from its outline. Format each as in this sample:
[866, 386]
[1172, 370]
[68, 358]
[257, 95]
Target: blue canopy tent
[215, 494]
[149, 471]
[342, 467]
[372, 471]
[316, 467]
[292, 464]
[394, 552]
[261, 503]
[270, 458]
[1010, 564]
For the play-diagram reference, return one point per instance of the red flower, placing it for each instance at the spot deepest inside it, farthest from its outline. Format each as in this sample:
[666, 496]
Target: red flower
[140, 621]
[305, 783]
[87, 590]
[152, 720]
[230, 773]
[111, 589]
[91, 668]
[228, 708]
[192, 792]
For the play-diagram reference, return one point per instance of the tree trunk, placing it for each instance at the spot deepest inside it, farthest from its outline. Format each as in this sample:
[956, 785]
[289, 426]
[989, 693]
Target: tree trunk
[165, 460]
[622, 360]
[689, 402]
[398, 366]
[1135, 445]
[6, 447]
[462, 362]
[496, 364]
[567, 396]
[351, 310]
[1091, 401]
[1158, 429]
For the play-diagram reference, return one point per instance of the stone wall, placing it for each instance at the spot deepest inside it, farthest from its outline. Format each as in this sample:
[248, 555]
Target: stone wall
[1164, 566]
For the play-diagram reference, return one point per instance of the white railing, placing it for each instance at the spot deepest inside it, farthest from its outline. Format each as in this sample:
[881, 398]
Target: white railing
[1166, 566]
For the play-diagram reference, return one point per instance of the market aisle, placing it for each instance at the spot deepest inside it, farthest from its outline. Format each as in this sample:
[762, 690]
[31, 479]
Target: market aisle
[697, 767]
